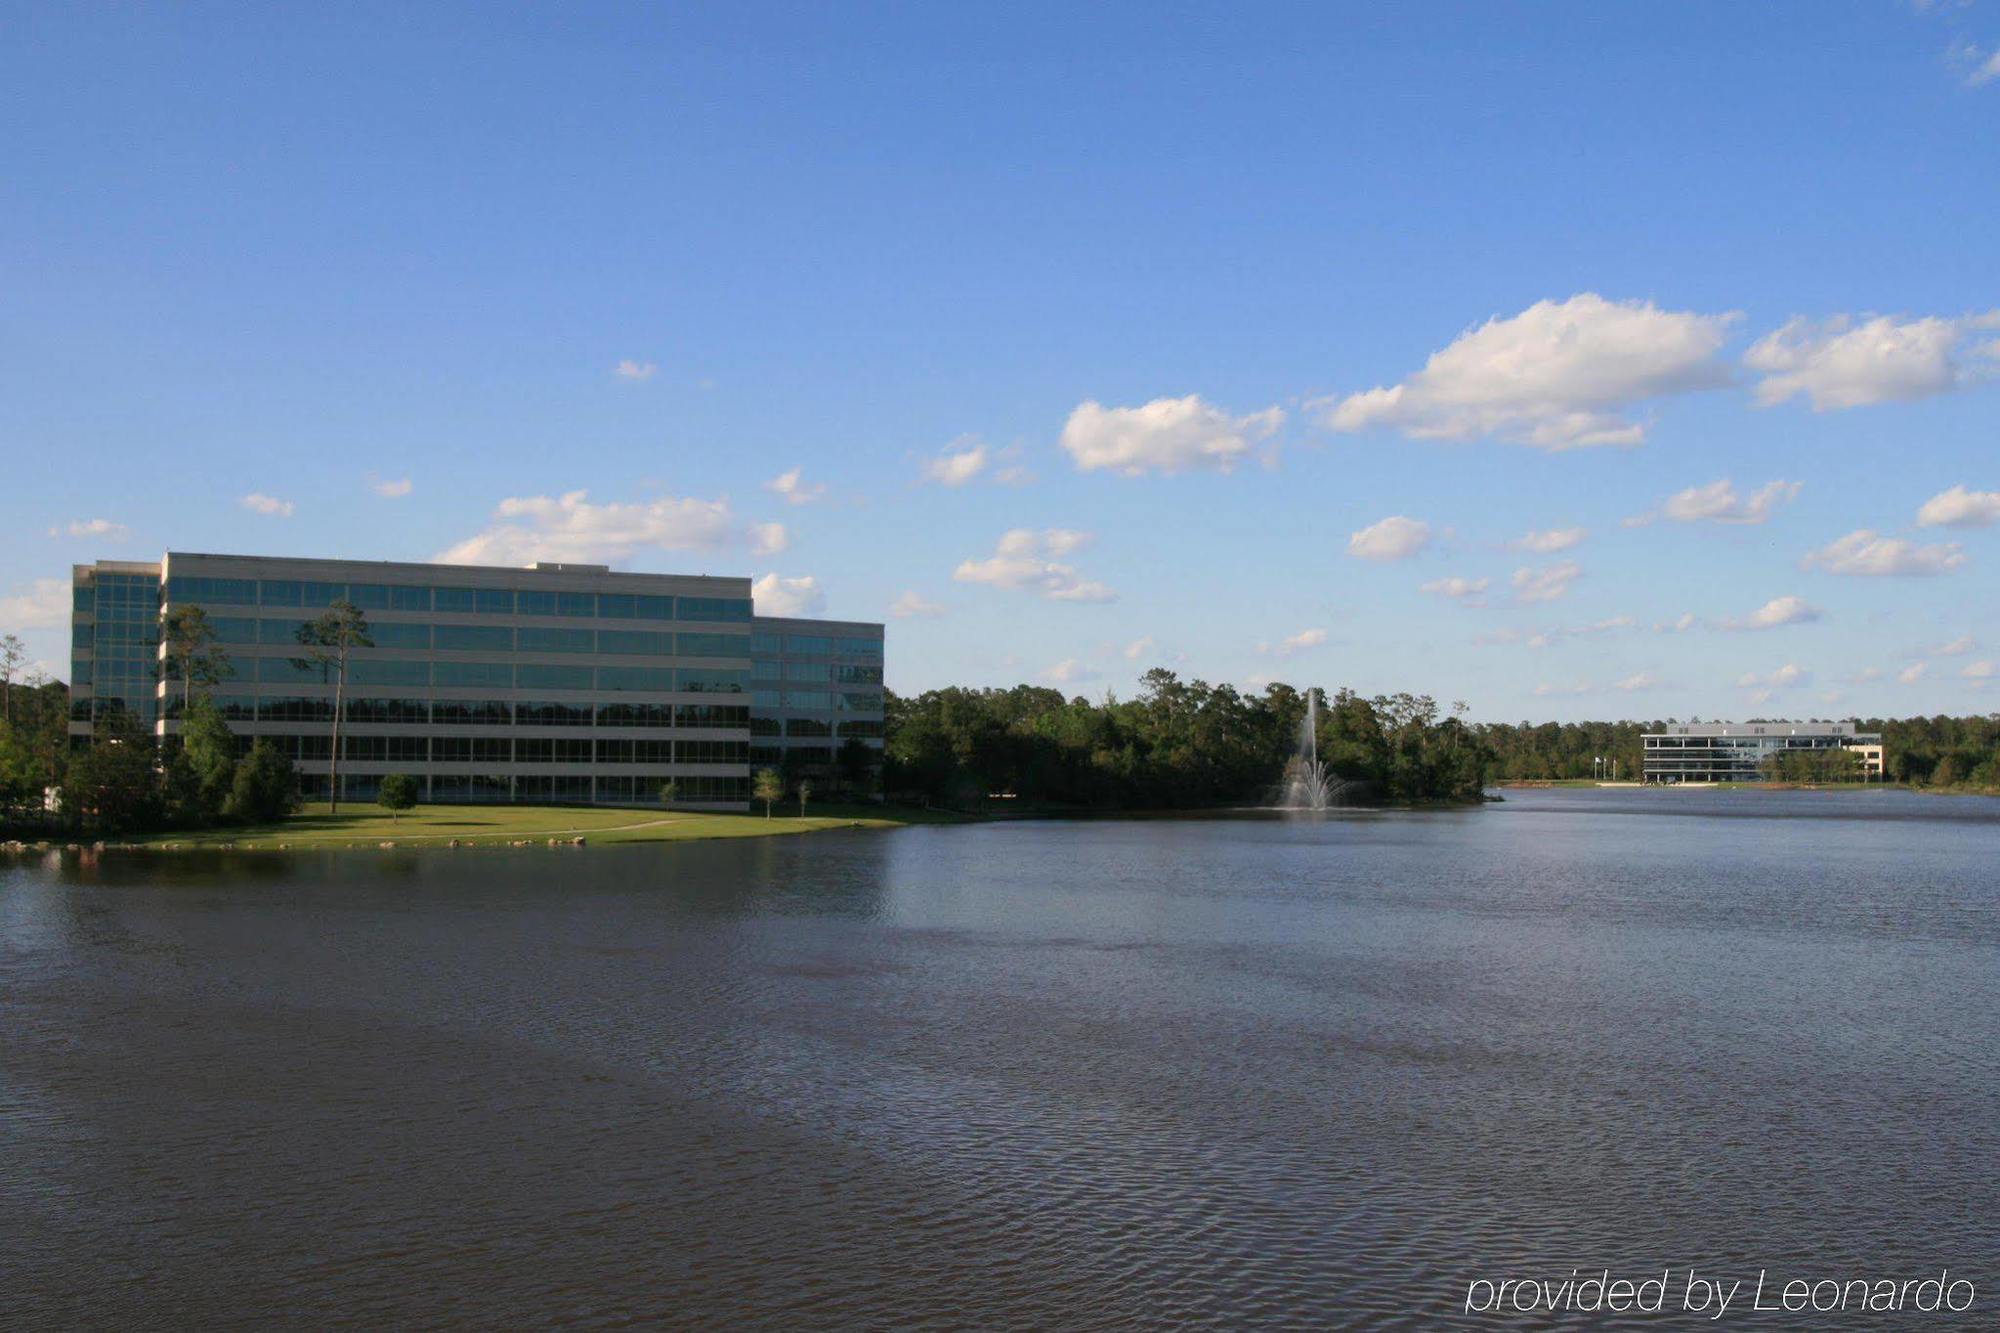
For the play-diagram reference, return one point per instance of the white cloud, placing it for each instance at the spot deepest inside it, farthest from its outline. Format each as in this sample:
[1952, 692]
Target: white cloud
[1644, 680]
[1069, 671]
[1550, 637]
[1958, 647]
[1789, 676]
[1546, 690]
[1868, 675]
[259, 503]
[1778, 611]
[629, 369]
[92, 527]
[1838, 363]
[1960, 508]
[1718, 502]
[45, 605]
[1550, 541]
[1984, 70]
[1466, 592]
[571, 528]
[961, 461]
[1982, 670]
[1681, 624]
[1394, 538]
[1913, 673]
[1138, 648]
[767, 538]
[1545, 584]
[793, 488]
[774, 596]
[1866, 552]
[390, 490]
[1165, 435]
[1027, 559]
[1295, 643]
[912, 606]
[1559, 375]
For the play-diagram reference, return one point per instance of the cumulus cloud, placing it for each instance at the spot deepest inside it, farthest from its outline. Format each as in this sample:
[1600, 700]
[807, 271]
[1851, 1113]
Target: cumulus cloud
[570, 527]
[1960, 508]
[44, 605]
[1778, 611]
[792, 486]
[629, 369]
[390, 490]
[1069, 671]
[961, 461]
[1644, 680]
[1912, 673]
[1550, 541]
[1839, 362]
[1985, 69]
[1718, 502]
[767, 538]
[1981, 670]
[1466, 592]
[1866, 552]
[1394, 538]
[1559, 375]
[1138, 648]
[1680, 624]
[774, 596]
[1545, 584]
[1555, 634]
[1547, 690]
[91, 527]
[912, 606]
[1034, 561]
[259, 503]
[1958, 647]
[1295, 643]
[1165, 435]
[1761, 685]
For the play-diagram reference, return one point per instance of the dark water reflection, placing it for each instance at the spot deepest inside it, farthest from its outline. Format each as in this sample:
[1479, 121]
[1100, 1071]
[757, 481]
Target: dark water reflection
[1219, 1072]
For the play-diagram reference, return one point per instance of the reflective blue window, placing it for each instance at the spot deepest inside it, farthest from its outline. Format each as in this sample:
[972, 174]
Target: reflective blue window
[409, 599]
[713, 608]
[454, 599]
[635, 678]
[388, 634]
[279, 670]
[215, 592]
[766, 644]
[494, 601]
[712, 680]
[811, 671]
[861, 648]
[576, 603]
[474, 638]
[83, 597]
[497, 675]
[537, 603]
[280, 592]
[321, 594]
[715, 645]
[536, 676]
[275, 630]
[369, 596]
[373, 671]
[808, 645]
[535, 640]
[653, 608]
[617, 606]
[655, 642]
[233, 629]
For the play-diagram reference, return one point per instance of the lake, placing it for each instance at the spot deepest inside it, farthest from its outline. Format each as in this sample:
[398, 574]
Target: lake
[1218, 1072]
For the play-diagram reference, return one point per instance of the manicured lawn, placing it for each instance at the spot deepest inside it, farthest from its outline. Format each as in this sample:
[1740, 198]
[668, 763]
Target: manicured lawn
[363, 825]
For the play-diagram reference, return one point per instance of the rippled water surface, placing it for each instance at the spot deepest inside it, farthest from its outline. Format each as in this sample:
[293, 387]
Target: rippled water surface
[1217, 1072]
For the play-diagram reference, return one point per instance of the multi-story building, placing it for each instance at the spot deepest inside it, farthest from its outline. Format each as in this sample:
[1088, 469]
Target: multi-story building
[553, 683]
[816, 698]
[1736, 751]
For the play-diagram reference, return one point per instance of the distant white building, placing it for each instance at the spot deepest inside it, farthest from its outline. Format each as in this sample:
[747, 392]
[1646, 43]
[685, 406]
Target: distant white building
[1735, 751]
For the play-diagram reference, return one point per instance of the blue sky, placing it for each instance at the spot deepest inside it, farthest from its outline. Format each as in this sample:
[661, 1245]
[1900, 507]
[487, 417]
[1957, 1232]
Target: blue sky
[1710, 290]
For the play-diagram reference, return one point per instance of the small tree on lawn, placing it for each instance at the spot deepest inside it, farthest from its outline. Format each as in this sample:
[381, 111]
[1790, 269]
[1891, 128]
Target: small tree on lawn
[767, 787]
[398, 793]
[669, 792]
[265, 788]
[13, 656]
[328, 641]
[805, 790]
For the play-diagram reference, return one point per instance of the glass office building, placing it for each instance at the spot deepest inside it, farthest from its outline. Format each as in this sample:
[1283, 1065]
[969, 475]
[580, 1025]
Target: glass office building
[559, 682]
[1735, 751]
[816, 698]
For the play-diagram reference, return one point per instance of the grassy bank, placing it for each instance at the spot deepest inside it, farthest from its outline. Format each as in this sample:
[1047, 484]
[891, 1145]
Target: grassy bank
[500, 825]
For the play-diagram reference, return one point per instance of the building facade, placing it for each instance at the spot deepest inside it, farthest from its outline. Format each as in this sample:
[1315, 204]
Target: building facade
[1736, 751]
[816, 699]
[562, 682]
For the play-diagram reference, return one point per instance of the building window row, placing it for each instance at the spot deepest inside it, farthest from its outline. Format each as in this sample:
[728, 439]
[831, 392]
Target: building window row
[307, 594]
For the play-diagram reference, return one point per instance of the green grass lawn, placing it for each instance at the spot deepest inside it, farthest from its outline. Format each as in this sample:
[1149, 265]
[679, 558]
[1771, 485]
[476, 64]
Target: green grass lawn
[364, 825]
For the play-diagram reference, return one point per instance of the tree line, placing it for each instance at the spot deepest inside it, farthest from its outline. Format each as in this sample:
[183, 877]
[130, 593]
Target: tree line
[1176, 745]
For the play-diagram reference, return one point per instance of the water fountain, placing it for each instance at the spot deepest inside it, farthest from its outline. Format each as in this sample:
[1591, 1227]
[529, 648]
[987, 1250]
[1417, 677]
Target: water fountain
[1307, 784]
